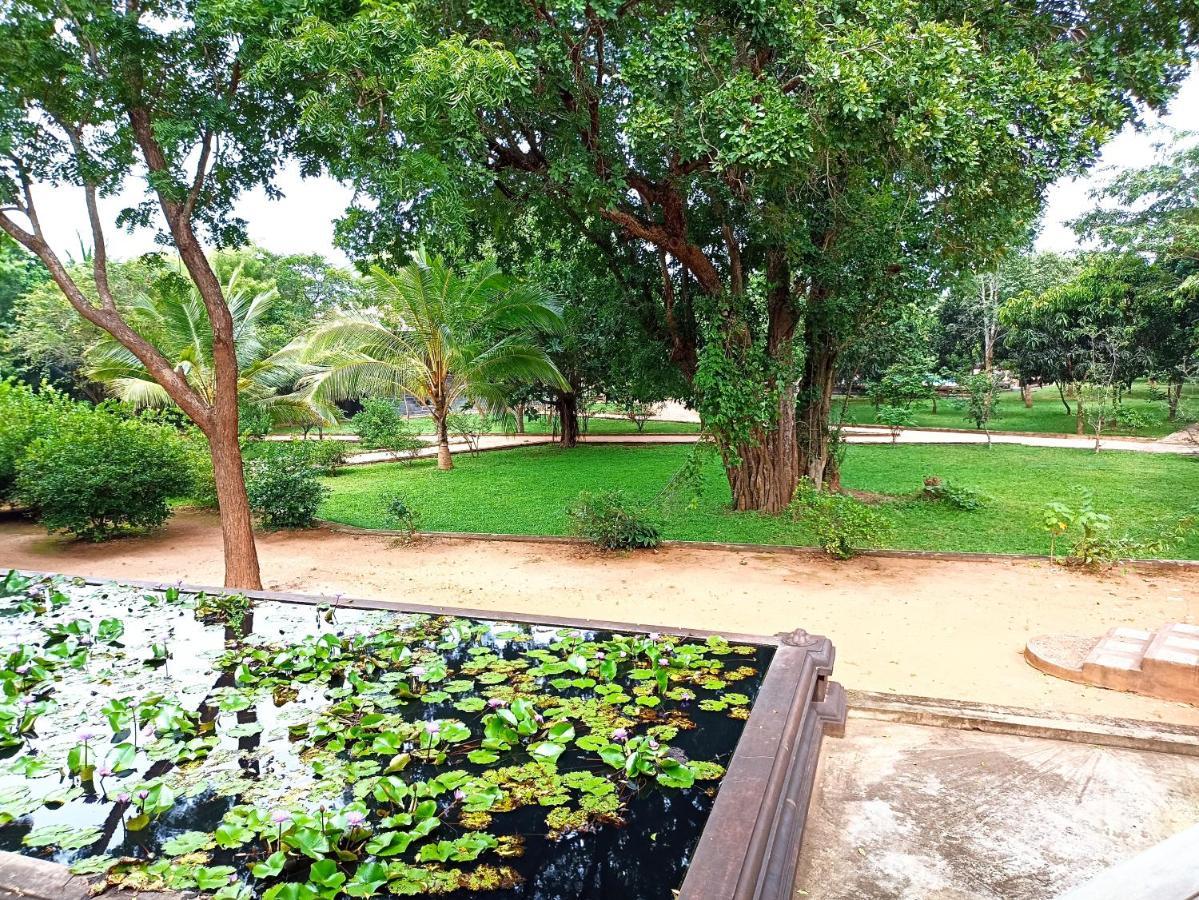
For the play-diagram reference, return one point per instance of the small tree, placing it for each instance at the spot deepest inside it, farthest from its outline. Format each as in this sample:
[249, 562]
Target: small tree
[979, 392]
[639, 413]
[896, 418]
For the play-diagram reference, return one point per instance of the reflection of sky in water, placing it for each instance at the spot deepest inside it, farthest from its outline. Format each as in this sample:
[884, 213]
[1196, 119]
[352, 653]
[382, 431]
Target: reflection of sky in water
[646, 857]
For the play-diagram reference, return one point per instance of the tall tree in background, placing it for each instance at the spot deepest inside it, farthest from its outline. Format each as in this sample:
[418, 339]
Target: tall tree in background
[799, 168]
[96, 91]
[1153, 211]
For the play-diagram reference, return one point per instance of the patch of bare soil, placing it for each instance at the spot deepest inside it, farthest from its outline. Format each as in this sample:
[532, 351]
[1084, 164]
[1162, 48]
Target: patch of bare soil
[952, 629]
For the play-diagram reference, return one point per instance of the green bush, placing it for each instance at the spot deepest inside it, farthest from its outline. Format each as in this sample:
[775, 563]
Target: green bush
[325, 457]
[402, 515]
[199, 460]
[841, 524]
[23, 416]
[284, 490]
[955, 495]
[380, 426]
[253, 421]
[93, 473]
[612, 521]
[1092, 542]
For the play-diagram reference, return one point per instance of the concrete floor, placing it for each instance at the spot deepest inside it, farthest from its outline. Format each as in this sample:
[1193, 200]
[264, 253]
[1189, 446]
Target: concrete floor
[912, 812]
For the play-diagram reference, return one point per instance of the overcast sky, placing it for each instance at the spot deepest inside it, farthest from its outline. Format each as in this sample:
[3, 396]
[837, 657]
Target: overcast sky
[302, 221]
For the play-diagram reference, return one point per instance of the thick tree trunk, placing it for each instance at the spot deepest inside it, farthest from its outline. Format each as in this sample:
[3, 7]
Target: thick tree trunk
[1173, 396]
[519, 412]
[444, 461]
[237, 525]
[1026, 394]
[768, 472]
[567, 404]
[816, 396]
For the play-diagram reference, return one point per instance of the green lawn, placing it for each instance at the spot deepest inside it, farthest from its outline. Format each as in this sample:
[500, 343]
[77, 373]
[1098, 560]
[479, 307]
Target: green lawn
[526, 491]
[424, 425]
[1047, 414]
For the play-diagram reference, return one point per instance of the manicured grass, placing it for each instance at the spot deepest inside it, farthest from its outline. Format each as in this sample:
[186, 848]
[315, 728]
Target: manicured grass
[1047, 414]
[526, 491]
[424, 425]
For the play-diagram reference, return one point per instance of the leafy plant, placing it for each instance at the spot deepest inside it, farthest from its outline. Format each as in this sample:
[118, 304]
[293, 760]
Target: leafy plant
[1093, 543]
[841, 524]
[403, 516]
[952, 494]
[612, 521]
[284, 491]
[95, 474]
[896, 418]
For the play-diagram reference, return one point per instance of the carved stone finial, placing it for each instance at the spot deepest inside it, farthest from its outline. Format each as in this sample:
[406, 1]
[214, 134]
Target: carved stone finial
[800, 638]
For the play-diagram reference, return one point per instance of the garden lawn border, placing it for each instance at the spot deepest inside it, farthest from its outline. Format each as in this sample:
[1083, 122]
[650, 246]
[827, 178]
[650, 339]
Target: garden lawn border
[965, 715]
[749, 846]
[948, 555]
[945, 429]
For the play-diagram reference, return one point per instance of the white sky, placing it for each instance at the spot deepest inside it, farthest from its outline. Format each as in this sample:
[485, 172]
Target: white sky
[302, 221]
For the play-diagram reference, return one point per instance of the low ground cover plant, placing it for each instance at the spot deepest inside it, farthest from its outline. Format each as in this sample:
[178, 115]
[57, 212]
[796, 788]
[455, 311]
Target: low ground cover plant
[841, 524]
[1090, 539]
[952, 494]
[613, 521]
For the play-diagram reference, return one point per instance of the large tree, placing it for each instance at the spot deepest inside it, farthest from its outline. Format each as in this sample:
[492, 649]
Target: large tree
[801, 167]
[95, 92]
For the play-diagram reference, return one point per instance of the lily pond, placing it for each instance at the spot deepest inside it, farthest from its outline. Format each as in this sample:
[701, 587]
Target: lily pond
[160, 739]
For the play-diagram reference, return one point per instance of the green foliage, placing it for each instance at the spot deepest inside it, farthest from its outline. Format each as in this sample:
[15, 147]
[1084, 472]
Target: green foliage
[1092, 542]
[976, 398]
[380, 425]
[842, 525]
[896, 418]
[93, 473]
[403, 516]
[24, 416]
[612, 521]
[953, 494]
[283, 490]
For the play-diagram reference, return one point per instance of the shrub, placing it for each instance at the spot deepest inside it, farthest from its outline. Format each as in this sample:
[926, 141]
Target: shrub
[402, 515]
[93, 473]
[23, 417]
[612, 521]
[380, 425]
[1092, 541]
[325, 457]
[1133, 420]
[896, 418]
[253, 421]
[199, 460]
[954, 495]
[469, 427]
[284, 490]
[841, 524]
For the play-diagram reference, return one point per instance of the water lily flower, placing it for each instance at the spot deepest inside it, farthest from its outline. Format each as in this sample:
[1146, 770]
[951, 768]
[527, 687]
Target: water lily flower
[85, 735]
[653, 636]
[432, 727]
[599, 654]
[620, 735]
[123, 798]
[280, 816]
[459, 795]
[142, 795]
[354, 818]
[496, 702]
[23, 669]
[103, 771]
[417, 671]
[653, 745]
[538, 718]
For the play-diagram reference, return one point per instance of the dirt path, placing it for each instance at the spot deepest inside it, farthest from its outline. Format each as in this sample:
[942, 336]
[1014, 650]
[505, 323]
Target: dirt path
[932, 628]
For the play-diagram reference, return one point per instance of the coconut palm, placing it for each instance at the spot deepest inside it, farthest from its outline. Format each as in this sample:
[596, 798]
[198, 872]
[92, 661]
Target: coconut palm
[439, 337]
[175, 321]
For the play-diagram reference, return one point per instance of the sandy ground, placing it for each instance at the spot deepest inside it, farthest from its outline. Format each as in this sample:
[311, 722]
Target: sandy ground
[907, 812]
[923, 627]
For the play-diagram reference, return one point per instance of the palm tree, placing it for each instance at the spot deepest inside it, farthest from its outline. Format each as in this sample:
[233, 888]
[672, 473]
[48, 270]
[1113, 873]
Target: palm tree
[175, 321]
[439, 337]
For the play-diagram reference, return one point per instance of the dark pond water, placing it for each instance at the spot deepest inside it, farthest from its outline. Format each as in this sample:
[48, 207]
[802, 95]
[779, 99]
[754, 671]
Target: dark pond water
[258, 750]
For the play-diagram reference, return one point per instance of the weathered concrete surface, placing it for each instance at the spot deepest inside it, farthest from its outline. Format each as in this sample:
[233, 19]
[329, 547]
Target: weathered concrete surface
[912, 812]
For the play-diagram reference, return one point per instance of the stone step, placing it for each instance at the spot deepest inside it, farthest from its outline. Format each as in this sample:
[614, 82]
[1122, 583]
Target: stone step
[1162, 663]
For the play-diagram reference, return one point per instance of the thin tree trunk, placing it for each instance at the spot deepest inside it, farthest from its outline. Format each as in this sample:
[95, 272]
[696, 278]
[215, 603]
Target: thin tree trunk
[1079, 416]
[1026, 394]
[444, 461]
[237, 525]
[519, 411]
[1061, 392]
[1173, 396]
[816, 391]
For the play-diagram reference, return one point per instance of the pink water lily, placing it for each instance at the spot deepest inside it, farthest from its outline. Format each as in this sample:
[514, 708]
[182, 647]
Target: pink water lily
[432, 727]
[620, 735]
[496, 702]
[280, 816]
[354, 818]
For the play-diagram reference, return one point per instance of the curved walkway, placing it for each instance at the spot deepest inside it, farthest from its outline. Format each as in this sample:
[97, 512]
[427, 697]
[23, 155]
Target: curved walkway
[857, 434]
